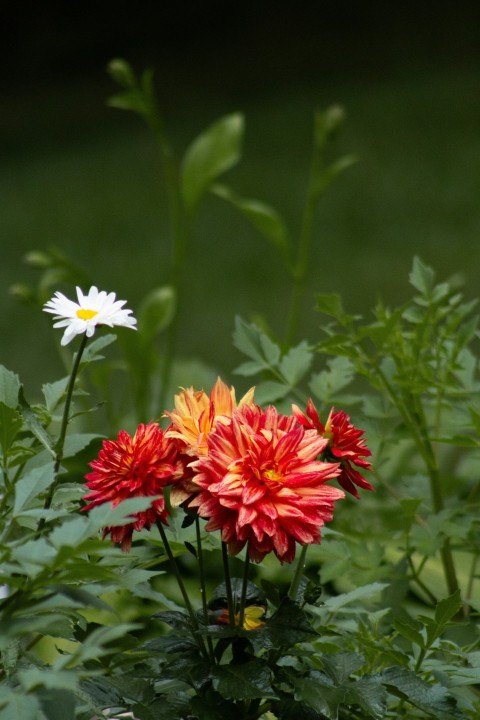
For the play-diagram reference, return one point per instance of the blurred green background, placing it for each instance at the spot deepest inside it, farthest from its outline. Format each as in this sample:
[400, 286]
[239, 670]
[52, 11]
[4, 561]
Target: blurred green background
[85, 178]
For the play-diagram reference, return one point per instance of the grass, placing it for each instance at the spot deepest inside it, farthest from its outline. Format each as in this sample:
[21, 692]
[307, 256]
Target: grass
[86, 179]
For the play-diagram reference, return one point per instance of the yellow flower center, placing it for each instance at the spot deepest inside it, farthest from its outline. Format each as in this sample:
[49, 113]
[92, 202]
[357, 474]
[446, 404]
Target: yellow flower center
[272, 475]
[85, 314]
[328, 432]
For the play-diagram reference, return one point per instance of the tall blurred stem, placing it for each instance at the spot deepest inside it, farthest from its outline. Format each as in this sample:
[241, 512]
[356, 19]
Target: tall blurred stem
[179, 234]
[300, 269]
[321, 175]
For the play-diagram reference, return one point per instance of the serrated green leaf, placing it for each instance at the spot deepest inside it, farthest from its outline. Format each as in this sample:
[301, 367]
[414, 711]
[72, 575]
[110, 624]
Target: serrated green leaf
[250, 340]
[270, 350]
[19, 706]
[319, 693]
[330, 304]
[9, 387]
[251, 367]
[422, 277]
[296, 363]
[365, 592]
[34, 425]
[10, 425]
[92, 349]
[170, 644]
[270, 391]
[71, 532]
[245, 681]
[340, 666]
[370, 695]
[435, 700]
[287, 626]
[76, 442]
[30, 486]
[212, 153]
[35, 677]
[107, 516]
[57, 704]
[326, 384]
[54, 392]
[444, 611]
[94, 645]
[409, 628]
[33, 555]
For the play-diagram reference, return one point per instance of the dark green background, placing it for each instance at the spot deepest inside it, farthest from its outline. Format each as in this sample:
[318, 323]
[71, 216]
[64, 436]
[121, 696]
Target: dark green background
[85, 178]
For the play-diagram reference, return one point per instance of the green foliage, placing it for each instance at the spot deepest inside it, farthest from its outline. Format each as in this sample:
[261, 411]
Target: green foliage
[383, 620]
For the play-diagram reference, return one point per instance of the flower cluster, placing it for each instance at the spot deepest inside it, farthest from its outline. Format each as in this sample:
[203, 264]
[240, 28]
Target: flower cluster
[259, 477]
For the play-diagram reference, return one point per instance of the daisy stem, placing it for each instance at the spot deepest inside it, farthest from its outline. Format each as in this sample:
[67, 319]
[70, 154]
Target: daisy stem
[295, 584]
[203, 591]
[63, 428]
[246, 568]
[228, 585]
[182, 588]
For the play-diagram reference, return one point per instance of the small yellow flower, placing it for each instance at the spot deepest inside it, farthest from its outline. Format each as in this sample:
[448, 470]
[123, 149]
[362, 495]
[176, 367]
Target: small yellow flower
[253, 618]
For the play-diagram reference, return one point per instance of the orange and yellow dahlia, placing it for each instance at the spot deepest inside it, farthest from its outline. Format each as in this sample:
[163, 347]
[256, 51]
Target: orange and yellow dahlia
[128, 467]
[261, 483]
[346, 444]
[195, 415]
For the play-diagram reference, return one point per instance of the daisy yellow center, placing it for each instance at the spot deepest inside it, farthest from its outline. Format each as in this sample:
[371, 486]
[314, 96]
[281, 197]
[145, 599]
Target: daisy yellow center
[85, 314]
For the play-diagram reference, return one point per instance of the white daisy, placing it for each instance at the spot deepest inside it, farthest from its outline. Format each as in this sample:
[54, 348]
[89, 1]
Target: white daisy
[96, 308]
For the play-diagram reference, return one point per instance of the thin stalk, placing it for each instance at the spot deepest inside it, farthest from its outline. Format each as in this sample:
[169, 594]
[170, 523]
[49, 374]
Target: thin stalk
[438, 505]
[300, 270]
[420, 583]
[203, 591]
[424, 445]
[179, 234]
[295, 584]
[182, 588]
[246, 567]
[228, 585]
[63, 429]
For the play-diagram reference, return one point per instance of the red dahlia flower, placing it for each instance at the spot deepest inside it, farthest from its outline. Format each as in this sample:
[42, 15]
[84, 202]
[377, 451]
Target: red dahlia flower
[345, 444]
[138, 466]
[261, 483]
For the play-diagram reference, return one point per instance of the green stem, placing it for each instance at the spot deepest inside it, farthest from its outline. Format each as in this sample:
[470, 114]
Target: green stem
[179, 233]
[471, 579]
[300, 270]
[182, 588]
[246, 568]
[63, 429]
[438, 505]
[203, 591]
[228, 585]
[417, 426]
[420, 583]
[295, 584]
